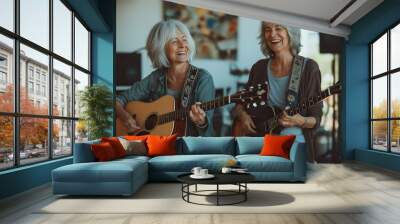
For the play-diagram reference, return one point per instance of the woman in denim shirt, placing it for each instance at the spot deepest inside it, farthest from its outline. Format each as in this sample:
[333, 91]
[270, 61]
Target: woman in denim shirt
[170, 47]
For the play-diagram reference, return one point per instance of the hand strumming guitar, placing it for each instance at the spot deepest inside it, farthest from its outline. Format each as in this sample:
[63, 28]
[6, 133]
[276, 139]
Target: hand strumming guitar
[126, 118]
[296, 121]
[245, 121]
[198, 115]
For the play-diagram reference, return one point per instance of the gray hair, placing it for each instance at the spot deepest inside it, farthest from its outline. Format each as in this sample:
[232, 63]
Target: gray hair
[294, 40]
[158, 38]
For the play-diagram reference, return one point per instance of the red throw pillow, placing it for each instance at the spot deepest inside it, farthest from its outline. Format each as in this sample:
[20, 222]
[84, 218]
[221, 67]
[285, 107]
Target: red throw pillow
[277, 145]
[103, 151]
[161, 145]
[116, 145]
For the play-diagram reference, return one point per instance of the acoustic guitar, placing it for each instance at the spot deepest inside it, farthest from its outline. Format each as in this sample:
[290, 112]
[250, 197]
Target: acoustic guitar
[163, 117]
[265, 117]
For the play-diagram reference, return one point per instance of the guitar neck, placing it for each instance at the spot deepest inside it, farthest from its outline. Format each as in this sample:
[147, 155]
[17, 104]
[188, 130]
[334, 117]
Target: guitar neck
[310, 101]
[182, 113]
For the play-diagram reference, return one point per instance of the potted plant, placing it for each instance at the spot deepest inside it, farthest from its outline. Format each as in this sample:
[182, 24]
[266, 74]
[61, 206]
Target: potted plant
[96, 103]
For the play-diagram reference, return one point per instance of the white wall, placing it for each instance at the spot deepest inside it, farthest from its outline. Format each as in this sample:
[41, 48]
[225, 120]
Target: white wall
[136, 17]
[134, 21]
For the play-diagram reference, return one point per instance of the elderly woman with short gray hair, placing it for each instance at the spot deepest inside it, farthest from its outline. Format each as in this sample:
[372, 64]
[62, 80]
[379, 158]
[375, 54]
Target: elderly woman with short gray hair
[281, 46]
[171, 48]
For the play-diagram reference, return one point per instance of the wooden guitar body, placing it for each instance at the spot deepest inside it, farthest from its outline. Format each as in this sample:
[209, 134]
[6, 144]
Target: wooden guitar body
[161, 117]
[146, 116]
[265, 120]
[266, 117]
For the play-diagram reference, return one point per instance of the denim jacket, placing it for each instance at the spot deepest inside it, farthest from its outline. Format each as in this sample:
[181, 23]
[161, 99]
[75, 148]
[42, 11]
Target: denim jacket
[153, 87]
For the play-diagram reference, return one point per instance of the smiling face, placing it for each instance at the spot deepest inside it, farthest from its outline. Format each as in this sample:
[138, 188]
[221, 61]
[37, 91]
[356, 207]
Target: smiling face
[276, 37]
[177, 49]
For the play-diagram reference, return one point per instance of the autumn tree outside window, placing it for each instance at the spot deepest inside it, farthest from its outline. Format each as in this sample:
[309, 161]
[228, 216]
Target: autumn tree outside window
[385, 93]
[44, 64]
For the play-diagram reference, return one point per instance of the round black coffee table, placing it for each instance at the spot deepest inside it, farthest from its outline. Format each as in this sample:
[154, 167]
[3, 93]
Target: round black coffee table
[238, 179]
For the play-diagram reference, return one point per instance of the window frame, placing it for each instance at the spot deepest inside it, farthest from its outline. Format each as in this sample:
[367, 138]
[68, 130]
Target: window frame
[388, 74]
[3, 77]
[16, 114]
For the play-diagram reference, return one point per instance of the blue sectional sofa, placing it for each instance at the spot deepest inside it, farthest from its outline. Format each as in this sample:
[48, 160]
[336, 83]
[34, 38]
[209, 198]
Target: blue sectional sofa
[125, 176]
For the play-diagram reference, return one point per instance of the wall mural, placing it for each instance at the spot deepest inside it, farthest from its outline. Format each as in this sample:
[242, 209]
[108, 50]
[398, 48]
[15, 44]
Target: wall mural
[215, 33]
[228, 61]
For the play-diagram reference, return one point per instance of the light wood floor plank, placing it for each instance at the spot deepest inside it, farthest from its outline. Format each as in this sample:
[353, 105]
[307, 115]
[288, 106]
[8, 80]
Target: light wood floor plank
[377, 191]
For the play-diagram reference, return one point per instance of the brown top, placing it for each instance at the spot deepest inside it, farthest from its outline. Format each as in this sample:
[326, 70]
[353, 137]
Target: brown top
[310, 85]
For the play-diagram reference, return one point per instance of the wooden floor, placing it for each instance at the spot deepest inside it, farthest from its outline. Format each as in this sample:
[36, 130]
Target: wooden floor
[377, 188]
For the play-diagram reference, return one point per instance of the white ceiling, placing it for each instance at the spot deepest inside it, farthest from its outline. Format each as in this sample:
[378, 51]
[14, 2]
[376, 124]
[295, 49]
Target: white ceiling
[321, 9]
[313, 15]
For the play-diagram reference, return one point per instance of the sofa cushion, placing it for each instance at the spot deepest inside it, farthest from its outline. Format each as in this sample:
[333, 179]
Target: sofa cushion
[185, 163]
[206, 145]
[133, 157]
[257, 163]
[83, 152]
[249, 145]
[111, 171]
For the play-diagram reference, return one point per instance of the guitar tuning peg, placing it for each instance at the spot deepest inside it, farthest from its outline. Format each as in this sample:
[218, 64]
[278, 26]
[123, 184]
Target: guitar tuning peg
[248, 106]
[254, 104]
[262, 103]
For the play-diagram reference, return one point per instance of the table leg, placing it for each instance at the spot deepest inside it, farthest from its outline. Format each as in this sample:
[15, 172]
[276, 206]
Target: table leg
[182, 190]
[245, 191]
[217, 194]
[188, 190]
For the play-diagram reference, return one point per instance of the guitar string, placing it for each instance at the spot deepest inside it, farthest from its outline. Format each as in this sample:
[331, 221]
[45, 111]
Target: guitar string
[311, 101]
[175, 115]
[180, 113]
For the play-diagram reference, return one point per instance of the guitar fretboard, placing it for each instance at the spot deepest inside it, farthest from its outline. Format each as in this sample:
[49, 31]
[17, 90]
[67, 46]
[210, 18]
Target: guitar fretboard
[182, 113]
[310, 101]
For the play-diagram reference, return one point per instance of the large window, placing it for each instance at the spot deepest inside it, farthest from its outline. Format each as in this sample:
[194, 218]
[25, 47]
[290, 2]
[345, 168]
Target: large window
[385, 93]
[44, 63]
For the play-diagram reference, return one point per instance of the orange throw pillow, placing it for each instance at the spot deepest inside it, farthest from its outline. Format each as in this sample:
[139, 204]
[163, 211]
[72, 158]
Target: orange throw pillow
[134, 137]
[277, 145]
[103, 151]
[161, 145]
[116, 145]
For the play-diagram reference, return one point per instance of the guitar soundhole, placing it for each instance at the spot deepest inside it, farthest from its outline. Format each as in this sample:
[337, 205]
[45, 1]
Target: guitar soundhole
[151, 122]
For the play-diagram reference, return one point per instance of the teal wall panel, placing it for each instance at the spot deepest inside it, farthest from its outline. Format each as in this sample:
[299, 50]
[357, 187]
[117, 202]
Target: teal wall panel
[380, 159]
[89, 11]
[355, 119]
[103, 51]
[99, 15]
[24, 178]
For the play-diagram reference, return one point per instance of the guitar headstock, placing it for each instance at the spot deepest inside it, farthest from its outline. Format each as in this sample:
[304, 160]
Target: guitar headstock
[337, 88]
[253, 95]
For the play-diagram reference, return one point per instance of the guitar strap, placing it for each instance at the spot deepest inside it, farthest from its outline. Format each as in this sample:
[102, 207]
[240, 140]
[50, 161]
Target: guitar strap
[187, 91]
[188, 87]
[292, 97]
